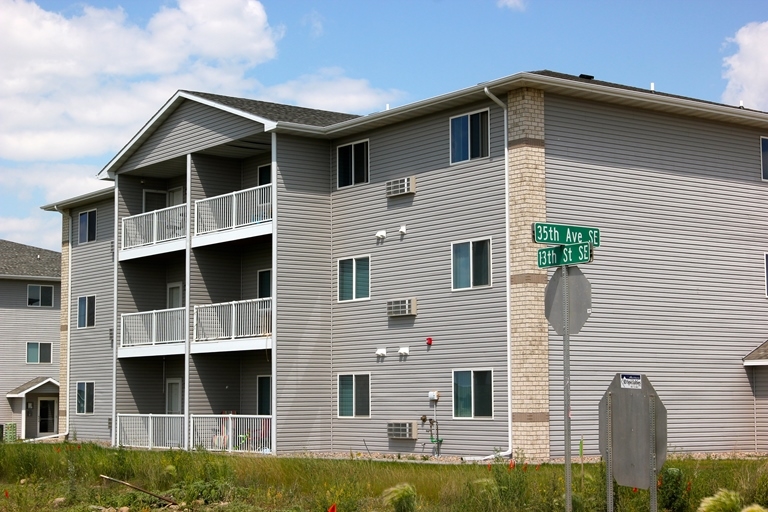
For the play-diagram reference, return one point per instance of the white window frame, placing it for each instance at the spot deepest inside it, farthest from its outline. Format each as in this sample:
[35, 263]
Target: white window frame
[55, 415]
[450, 136]
[41, 286]
[354, 278]
[453, 395]
[765, 260]
[763, 163]
[38, 343]
[174, 380]
[338, 396]
[77, 311]
[368, 164]
[258, 280]
[95, 227]
[85, 405]
[168, 286]
[258, 392]
[471, 263]
[172, 191]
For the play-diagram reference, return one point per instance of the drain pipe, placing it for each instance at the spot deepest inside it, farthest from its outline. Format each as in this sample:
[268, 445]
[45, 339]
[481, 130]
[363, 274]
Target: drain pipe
[508, 451]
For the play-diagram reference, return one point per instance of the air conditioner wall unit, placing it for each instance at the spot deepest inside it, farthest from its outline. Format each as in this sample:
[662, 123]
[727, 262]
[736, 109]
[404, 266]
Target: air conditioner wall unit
[401, 186]
[402, 307]
[402, 430]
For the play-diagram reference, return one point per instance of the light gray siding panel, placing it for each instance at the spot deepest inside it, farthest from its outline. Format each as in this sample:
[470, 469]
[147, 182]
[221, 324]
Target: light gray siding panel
[251, 170]
[254, 257]
[214, 383]
[192, 127]
[673, 296]
[302, 344]
[91, 349]
[252, 365]
[213, 278]
[453, 203]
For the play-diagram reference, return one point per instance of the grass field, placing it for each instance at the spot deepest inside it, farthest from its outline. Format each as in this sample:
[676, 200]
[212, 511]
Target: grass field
[208, 481]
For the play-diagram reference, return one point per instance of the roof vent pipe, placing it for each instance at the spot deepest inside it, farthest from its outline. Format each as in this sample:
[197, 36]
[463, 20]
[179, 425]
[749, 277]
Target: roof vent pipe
[653, 87]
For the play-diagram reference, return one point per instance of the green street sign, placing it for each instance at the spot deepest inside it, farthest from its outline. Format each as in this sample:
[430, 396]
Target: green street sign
[558, 234]
[570, 254]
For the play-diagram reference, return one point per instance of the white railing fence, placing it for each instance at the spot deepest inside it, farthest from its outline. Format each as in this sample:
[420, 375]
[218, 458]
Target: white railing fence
[231, 320]
[154, 227]
[231, 433]
[154, 327]
[233, 210]
[150, 430]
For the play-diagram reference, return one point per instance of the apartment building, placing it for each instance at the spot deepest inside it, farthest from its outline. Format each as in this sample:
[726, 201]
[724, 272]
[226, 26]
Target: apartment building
[30, 291]
[271, 278]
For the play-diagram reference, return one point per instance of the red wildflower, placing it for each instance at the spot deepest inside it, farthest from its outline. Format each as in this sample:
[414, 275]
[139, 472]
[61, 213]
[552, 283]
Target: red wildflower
[489, 467]
[525, 467]
[688, 487]
[78, 447]
[332, 508]
[658, 484]
[511, 465]
[58, 450]
[6, 494]
[538, 466]
[634, 489]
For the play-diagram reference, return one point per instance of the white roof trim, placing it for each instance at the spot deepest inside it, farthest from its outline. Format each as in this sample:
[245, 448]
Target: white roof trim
[756, 362]
[32, 388]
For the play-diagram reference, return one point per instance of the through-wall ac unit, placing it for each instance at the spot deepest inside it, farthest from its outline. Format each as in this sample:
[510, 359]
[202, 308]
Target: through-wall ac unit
[401, 186]
[401, 307]
[402, 430]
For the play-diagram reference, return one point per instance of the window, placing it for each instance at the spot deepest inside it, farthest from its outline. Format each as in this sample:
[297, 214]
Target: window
[354, 278]
[264, 395]
[471, 262]
[87, 227]
[39, 296]
[173, 401]
[352, 164]
[473, 394]
[86, 307]
[38, 353]
[764, 156]
[469, 136]
[355, 395]
[264, 286]
[85, 397]
[264, 175]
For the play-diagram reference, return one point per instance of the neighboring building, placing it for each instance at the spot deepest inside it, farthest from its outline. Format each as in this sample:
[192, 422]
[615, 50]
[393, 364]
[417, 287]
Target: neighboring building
[287, 279]
[30, 290]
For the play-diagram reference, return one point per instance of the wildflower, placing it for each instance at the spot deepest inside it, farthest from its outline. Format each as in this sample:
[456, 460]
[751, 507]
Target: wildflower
[489, 467]
[332, 508]
[525, 467]
[538, 466]
[658, 484]
[511, 465]
[688, 487]
[634, 489]
[6, 494]
[78, 447]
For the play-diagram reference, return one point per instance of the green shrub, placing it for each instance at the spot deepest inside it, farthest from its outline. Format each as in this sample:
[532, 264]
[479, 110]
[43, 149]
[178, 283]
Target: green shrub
[672, 496]
[723, 501]
[402, 497]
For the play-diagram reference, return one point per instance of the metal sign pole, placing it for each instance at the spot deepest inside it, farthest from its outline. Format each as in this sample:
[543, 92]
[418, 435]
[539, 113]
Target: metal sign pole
[654, 473]
[609, 461]
[567, 390]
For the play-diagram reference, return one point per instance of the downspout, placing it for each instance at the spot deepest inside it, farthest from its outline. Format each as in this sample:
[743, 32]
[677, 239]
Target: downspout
[117, 246]
[273, 427]
[501, 104]
[188, 283]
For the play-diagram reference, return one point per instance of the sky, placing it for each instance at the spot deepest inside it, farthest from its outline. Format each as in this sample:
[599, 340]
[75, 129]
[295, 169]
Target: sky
[79, 79]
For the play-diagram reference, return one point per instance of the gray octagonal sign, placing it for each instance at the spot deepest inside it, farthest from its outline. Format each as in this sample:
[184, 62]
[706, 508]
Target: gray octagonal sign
[579, 300]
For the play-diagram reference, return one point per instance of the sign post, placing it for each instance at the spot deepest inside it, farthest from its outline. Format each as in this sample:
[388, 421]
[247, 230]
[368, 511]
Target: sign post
[572, 245]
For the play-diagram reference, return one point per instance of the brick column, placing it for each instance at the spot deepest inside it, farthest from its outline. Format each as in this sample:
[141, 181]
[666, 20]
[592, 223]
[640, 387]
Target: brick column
[64, 328]
[529, 332]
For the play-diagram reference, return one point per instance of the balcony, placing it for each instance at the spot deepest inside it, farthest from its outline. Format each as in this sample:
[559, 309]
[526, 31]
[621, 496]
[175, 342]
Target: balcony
[242, 214]
[161, 332]
[231, 432]
[150, 430]
[238, 325]
[154, 232]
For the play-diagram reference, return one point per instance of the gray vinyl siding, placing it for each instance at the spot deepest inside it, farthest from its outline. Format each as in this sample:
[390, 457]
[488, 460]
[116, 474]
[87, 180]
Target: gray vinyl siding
[453, 203]
[251, 170]
[678, 285]
[214, 383]
[91, 349]
[20, 324]
[253, 364]
[141, 384]
[254, 257]
[759, 379]
[303, 339]
[191, 127]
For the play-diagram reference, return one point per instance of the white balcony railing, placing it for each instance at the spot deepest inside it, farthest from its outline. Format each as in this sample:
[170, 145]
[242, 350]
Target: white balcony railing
[231, 433]
[232, 320]
[154, 227]
[150, 430]
[154, 327]
[233, 210]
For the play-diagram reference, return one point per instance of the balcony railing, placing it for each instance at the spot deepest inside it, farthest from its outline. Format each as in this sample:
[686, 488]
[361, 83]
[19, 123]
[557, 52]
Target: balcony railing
[234, 210]
[154, 327]
[232, 320]
[154, 227]
[150, 430]
[231, 433]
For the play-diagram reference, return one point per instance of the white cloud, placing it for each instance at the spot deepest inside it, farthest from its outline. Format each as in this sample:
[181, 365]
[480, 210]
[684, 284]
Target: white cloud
[49, 182]
[92, 80]
[747, 69]
[41, 229]
[315, 22]
[518, 5]
[330, 89]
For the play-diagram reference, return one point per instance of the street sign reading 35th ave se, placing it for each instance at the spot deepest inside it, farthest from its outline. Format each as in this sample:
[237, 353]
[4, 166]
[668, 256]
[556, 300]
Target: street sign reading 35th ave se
[559, 234]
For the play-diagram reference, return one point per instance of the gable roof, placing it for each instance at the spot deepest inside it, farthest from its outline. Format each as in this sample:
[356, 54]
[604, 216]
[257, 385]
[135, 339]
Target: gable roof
[324, 124]
[758, 357]
[30, 386]
[19, 260]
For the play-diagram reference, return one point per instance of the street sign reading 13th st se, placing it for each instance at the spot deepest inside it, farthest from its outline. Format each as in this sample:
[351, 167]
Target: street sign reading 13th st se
[570, 254]
[557, 234]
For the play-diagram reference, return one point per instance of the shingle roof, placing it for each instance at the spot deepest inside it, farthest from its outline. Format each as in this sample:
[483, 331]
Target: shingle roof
[277, 111]
[25, 260]
[31, 385]
[759, 353]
